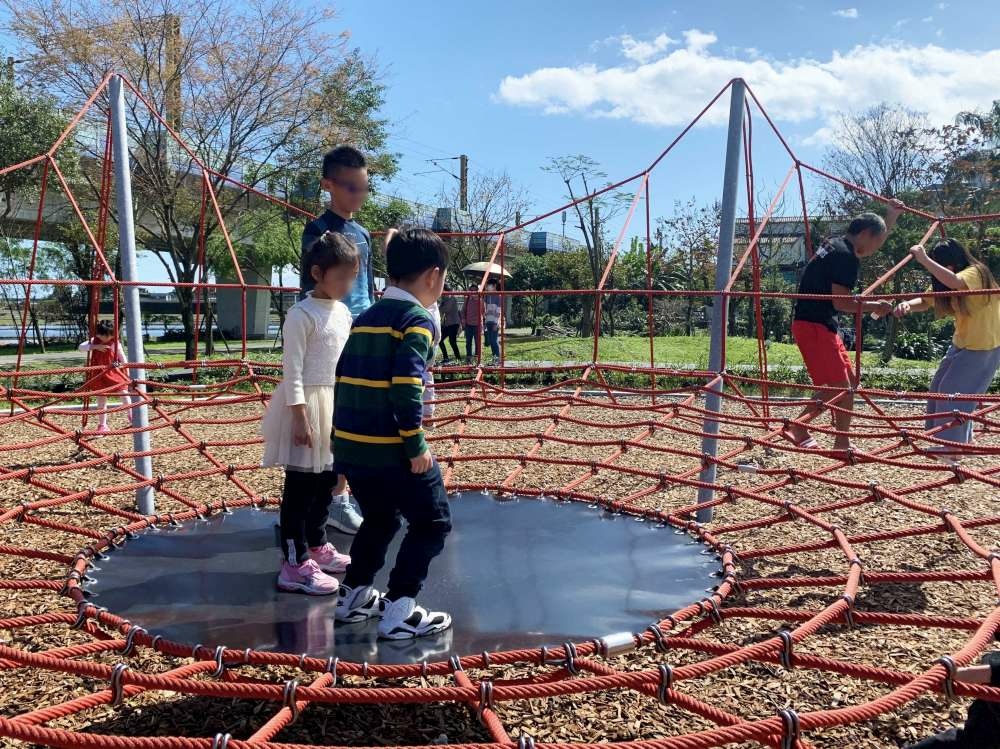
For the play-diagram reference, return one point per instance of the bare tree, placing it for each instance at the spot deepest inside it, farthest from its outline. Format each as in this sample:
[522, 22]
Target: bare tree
[885, 149]
[253, 88]
[888, 150]
[691, 239]
[582, 177]
[495, 203]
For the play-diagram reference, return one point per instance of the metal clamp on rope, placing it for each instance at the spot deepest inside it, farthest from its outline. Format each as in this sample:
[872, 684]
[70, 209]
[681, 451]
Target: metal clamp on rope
[456, 663]
[424, 669]
[570, 662]
[486, 659]
[666, 681]
[714, 611]
[221, 741]
[949, 680]
[130, 640]
[485, 698]
[790, 726]
[331, 668]
[849, 614]
[220, 666]
[785, 654]
[364, 670]
[117, 690]
[525, 742]
[81, 614]
[658, 637]
[289, 699]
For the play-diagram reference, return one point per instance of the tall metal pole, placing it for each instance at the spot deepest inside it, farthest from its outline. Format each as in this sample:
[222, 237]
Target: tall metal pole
[720, 309]
[463, 182]
[144, 498]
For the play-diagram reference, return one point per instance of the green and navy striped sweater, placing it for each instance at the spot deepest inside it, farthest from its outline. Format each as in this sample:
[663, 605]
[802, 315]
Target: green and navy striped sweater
[378, 407]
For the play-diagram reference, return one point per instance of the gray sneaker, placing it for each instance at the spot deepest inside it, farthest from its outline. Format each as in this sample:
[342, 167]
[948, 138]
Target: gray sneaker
[344, 516]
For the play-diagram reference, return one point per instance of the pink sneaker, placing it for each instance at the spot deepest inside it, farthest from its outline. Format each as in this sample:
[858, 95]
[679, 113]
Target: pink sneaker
[306, 578]
[103, 429]
[329, 559]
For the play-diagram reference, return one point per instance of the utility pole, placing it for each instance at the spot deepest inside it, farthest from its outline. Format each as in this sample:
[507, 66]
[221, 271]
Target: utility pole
[463, 182]
[172, 60]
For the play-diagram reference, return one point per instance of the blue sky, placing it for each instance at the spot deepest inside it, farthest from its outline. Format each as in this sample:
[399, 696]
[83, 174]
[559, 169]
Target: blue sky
[514, 83]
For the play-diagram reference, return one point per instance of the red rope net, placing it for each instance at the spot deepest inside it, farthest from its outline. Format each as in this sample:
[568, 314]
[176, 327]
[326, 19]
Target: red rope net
[814, 545]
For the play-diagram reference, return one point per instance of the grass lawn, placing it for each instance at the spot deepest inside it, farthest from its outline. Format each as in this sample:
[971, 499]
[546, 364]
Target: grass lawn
[674, 350]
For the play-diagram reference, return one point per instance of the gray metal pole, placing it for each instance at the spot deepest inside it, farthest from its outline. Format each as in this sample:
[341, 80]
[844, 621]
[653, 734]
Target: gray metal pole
[723, 269]
[133, 321]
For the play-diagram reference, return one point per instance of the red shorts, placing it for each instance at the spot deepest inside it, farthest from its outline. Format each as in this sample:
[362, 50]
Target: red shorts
[826, 359]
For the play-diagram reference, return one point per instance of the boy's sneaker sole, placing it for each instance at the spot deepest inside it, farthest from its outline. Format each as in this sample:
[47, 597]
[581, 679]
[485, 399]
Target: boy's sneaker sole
[370, 610]
[402, 631]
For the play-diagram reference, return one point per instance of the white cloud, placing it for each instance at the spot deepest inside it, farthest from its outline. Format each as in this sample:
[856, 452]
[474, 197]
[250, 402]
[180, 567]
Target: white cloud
[672, 86]
[942, 6]
[846, 13]
[697, 40]
[927, 19]
[641, 51]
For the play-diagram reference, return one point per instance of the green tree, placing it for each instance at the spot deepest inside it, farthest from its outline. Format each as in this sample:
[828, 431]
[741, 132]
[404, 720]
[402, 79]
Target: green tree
[258, 91]
[30, 123]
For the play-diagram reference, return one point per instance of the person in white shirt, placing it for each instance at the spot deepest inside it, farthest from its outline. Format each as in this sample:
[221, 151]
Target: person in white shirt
[299, 418]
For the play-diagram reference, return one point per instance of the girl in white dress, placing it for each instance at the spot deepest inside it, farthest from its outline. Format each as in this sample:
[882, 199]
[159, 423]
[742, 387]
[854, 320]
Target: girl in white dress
[299, 418]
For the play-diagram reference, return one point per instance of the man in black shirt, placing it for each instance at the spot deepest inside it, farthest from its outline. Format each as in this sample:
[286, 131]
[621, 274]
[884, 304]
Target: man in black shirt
[833, 272]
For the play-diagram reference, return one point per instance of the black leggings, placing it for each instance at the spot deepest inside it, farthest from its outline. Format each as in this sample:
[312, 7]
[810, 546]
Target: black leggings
[450, 333]
[305, 504]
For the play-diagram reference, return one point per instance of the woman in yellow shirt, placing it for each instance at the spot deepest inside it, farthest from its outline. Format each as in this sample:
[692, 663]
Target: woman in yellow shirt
[974, 355]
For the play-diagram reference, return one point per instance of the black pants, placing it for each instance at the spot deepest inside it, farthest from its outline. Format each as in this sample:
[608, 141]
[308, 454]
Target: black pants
[981, 730]
[982, 725]
[385, 496]
[450, 333]
[305, 504]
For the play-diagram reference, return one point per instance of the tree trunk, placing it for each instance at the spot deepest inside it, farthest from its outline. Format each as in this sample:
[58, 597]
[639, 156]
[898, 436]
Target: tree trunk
[587, 318]
[185, 301]
[891, 330]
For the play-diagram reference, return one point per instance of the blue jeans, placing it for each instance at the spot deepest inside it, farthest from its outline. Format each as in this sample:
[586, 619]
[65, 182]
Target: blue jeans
[493, 338]
[962, 372]
[386, 495]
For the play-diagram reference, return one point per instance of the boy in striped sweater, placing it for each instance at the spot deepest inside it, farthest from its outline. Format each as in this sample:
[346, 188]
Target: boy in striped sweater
[379, 442]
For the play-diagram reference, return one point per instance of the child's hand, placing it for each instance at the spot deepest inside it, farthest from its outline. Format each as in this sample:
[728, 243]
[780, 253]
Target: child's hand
[301, 433]
[99, 347]
[901, 310]
[422, 463]
[883, 307]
